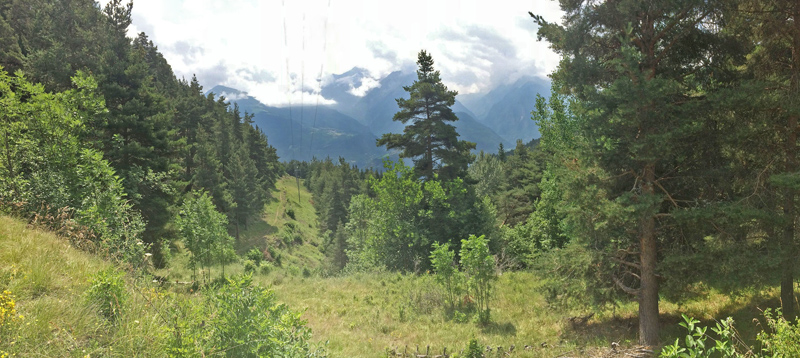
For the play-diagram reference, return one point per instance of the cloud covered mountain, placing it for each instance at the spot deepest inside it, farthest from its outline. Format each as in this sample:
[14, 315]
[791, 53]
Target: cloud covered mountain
[305, 132]
[364, 109]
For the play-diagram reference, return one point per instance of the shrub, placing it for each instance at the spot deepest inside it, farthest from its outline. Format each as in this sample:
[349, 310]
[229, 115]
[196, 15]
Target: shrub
[266, 268]
[478, 267]
[249, 266]
[255, 255]
[107, 292]
[474, 349]
[290, 213]
[699, 344]
[784, 341]
[204, 232]
[241, 320]
[443, 262]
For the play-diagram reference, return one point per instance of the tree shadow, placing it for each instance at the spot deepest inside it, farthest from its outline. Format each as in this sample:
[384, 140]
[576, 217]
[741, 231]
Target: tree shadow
[747, 314]
[500, 329]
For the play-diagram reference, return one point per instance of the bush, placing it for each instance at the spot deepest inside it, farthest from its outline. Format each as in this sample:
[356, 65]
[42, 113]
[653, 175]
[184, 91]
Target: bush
[447, 275]
[107, 292]
[241, 320]
[266, 268]
[474, 349]
[249, 266]
[784, 341]
[255, 255]
[478, 267]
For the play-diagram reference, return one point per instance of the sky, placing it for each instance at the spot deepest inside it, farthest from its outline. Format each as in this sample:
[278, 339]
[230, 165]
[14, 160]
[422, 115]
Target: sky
[281, 52]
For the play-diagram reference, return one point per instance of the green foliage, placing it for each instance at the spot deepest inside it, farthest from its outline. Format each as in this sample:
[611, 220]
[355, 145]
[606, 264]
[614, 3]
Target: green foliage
[240, 319]
[396, 228]
[107, 292]
[783, 338]
[250, 266]
[387, 230]
[255, 255]
[489, 171]
[447, 275]
[478, 267]
[203, 230]
[474, 349]
[47, 168]
[429, 140]
[518, 186]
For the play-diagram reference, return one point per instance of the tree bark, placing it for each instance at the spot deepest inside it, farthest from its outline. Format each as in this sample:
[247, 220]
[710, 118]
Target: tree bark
[648, 293]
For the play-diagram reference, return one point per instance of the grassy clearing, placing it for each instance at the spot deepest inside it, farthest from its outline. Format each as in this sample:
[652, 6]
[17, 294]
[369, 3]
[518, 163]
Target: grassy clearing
[363, 314]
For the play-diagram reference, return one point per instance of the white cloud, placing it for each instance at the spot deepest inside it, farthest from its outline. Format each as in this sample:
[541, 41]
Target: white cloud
[366, 85]
[274, 49]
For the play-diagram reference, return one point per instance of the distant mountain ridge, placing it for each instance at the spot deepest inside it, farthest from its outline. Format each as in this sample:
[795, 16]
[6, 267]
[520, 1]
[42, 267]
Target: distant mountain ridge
[350, 127]
[320, 132]
[507, 108]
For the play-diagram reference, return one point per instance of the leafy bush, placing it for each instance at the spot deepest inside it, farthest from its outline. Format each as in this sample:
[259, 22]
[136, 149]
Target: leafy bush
[241, 320]
[478, 267]
[204, 231]
[698, 342]
[474, 349]
[784, 341]
[250, 266]
[107, 292]
[447, 275]
[255, 255]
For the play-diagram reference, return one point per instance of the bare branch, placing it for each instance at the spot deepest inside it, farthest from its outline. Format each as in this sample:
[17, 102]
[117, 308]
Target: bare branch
[622, 286]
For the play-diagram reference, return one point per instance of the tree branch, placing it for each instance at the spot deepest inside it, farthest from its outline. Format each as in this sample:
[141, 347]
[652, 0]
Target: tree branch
[622, 286]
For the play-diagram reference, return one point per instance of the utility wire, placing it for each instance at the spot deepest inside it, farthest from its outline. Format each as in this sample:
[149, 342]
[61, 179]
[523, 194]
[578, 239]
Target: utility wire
[319, 78]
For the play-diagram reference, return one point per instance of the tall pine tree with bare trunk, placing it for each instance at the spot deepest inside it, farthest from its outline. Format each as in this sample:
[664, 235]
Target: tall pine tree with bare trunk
[641, 71]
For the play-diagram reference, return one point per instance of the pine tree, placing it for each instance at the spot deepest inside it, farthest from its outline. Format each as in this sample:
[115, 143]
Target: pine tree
[429, 139]
[766, 114]
[641, 71]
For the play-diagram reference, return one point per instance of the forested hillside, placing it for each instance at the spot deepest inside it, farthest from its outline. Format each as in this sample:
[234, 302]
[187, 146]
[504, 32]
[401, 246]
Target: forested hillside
[145, 215]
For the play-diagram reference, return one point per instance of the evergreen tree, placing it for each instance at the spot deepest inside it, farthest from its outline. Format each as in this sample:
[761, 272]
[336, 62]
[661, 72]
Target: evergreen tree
[429, 139]
[641, 70]
[765, 112]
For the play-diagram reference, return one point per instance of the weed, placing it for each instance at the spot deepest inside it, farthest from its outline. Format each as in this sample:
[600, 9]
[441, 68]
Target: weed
[107, 292]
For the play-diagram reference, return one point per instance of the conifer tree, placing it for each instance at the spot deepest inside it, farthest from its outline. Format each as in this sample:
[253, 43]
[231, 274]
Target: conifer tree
[641, 71]
[429, 139]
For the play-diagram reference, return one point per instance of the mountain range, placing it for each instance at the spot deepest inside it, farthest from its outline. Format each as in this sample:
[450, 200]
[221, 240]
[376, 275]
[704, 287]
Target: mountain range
[364, 109]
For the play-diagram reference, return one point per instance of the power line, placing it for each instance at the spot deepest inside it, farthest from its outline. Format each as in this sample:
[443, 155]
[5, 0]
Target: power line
[319, 78]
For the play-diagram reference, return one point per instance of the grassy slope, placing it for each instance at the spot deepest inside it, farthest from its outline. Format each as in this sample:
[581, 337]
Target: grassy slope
[267, 230]
[49, 279]
[360, 315]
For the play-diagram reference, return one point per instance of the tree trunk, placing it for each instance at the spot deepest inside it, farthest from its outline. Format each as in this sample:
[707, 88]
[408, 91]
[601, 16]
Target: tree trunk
[648, 294]
[787, 242]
